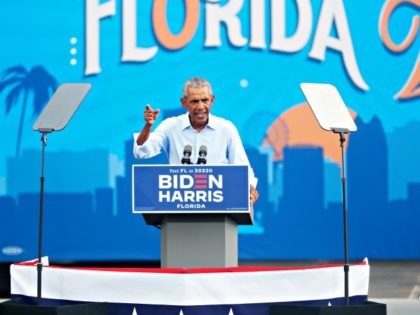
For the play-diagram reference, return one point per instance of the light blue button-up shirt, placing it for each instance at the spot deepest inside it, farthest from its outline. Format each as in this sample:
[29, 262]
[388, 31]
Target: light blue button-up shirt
[220, 136]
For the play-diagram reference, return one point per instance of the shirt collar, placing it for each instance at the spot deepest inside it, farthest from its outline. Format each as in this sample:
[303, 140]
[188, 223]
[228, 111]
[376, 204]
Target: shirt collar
[185, 121]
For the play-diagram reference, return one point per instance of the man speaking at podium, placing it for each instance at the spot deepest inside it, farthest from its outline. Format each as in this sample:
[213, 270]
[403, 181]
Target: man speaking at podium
[194, 136]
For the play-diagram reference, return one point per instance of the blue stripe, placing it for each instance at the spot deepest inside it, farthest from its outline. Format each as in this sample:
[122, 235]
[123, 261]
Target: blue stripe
[238, 309]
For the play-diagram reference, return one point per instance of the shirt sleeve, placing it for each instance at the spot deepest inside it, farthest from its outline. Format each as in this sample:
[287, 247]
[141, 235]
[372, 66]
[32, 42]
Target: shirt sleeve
[237, 154]
[155, 144]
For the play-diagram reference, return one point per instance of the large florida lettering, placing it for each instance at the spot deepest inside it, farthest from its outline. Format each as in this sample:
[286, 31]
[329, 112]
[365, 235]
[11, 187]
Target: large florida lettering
[228, 14]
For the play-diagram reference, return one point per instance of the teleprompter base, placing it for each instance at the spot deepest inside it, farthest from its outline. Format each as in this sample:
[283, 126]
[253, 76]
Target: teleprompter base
[16, 307]
[367, 308]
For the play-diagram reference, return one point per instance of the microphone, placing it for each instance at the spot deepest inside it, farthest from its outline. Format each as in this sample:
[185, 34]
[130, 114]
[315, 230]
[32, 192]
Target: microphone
[202, 153]
[187, 153]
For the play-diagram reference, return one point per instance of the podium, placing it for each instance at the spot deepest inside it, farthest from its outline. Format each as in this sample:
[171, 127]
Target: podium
[197, 208]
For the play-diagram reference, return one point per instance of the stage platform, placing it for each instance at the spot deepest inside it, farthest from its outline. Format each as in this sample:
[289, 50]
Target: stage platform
[233, 291]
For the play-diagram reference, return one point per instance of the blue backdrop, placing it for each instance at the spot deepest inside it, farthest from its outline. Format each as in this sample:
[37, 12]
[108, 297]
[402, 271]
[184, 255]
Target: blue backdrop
[256, 53]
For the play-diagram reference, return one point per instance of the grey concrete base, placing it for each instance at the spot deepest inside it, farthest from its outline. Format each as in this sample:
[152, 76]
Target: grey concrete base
[205, 240]
[401, 306]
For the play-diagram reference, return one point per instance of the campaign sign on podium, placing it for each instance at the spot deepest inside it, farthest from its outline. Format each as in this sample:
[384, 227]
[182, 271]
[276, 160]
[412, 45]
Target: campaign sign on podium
[190, 189]
[197, 208]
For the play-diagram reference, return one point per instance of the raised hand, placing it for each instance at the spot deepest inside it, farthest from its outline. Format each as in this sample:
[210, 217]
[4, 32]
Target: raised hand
[150, 115]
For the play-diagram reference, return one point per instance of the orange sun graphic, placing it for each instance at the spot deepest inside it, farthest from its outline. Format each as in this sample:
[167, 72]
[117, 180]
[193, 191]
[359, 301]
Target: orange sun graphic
[298, 127]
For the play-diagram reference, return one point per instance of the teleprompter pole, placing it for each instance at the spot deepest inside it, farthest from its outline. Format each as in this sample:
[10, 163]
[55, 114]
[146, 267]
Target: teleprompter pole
[54, 117]
[342, 133]
[41, 218]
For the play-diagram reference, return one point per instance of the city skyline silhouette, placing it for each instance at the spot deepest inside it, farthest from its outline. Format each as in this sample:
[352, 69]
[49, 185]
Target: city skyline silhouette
[87, 219]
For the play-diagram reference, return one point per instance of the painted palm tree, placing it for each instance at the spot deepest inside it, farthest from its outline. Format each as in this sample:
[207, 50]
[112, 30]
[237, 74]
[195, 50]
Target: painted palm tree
[21, 84]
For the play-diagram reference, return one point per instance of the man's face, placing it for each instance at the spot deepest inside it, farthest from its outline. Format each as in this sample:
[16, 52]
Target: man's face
[198, 102]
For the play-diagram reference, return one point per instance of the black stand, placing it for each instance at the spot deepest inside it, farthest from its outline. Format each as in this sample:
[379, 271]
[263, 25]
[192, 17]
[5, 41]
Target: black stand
[342, 132]
[332, 115]
[54, 117]
[41, 217]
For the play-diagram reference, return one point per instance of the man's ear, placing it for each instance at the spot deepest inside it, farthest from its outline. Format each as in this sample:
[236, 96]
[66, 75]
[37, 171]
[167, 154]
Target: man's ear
[183, 102]
[212, 98]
